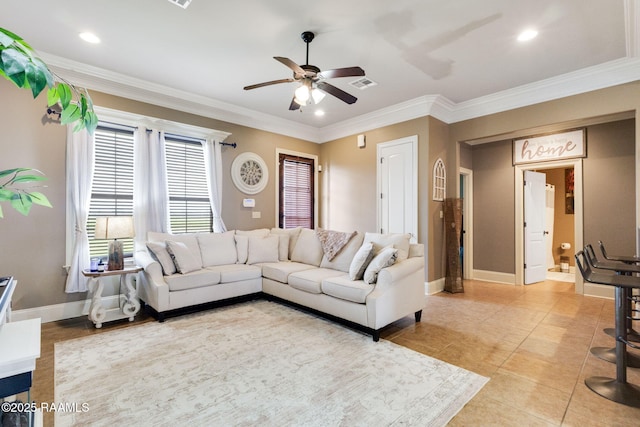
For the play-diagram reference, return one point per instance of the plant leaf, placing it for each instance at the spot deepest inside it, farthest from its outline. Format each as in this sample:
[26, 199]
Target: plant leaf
[52, 96]
[14, 61]
[70, 114]
[12, 171]
[40, 199]
[29, 178]
[5, 195]
[1, 215]
[22, 203]
[36, 78]
[64, 92]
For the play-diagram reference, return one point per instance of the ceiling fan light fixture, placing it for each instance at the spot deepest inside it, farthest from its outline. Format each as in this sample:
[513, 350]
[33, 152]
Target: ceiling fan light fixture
[317, 95]
[301, 95]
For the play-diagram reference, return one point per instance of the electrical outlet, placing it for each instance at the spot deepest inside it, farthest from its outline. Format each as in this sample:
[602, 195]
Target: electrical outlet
[256, 215]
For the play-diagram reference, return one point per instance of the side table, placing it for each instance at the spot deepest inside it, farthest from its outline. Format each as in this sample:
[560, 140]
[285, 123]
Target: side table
[97, 312]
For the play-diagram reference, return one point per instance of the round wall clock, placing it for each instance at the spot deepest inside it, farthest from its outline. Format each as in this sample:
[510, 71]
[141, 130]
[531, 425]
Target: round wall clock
[249, 173]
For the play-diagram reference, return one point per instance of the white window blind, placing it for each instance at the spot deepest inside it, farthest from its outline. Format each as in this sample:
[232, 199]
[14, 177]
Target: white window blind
[189, 207]
[296, 191]
[112, 187]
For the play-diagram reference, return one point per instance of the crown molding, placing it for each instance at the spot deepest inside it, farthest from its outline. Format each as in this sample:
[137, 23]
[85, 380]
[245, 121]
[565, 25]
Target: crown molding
[118, 84]
[609, 74]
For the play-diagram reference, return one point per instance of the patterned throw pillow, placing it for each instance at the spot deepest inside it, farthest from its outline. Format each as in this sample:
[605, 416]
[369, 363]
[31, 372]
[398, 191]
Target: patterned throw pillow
[385, 258]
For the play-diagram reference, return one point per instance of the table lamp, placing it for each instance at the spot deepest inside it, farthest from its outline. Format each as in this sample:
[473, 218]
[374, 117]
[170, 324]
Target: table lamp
[114, 227]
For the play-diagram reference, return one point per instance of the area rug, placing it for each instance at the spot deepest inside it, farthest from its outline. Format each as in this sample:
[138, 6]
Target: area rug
[256, 363]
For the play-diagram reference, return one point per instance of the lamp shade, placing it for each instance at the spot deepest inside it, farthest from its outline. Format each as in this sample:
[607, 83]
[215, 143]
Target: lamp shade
[114, 227]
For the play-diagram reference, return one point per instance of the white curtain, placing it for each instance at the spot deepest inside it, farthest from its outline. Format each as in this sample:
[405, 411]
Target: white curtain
[80, 160]
[150, 188]
[213, 167]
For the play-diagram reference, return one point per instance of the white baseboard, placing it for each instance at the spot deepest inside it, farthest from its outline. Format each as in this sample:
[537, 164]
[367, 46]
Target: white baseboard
[601, 291]
[67, 310]
[494, 276]
[434, 287]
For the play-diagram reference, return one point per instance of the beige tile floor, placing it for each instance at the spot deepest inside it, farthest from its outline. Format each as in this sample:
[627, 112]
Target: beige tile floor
[532, 341]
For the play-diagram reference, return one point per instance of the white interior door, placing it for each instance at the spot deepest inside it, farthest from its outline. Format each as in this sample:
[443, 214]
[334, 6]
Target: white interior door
[397, 185]
[534, 219]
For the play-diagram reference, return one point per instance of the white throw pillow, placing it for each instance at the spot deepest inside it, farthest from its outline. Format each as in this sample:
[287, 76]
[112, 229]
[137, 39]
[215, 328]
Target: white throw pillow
[263, 249]
[183, 257]
[283, 247]
[217, 248]
[293, 234]
[242, 241]
[361, 261]
[308, 249]
[188, 239]
[385, 258]
[159, 252]
[399, 241]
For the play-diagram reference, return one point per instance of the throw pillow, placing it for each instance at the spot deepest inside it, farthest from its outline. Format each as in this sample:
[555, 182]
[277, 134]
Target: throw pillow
[385, 258]
[159, 252]
[217, 248]
[342, 261]
[263, 249]
[361, 261]
[283, 247]
[183, 258]
[242, 241]
[188, 239]
[399, 241]
[308, 249]
[293, 234]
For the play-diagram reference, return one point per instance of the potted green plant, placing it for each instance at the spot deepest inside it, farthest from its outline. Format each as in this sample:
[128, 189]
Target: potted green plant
[20, 65]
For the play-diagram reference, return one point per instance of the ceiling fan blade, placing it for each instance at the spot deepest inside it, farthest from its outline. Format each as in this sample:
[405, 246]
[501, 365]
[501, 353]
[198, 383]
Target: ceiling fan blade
[299, 72]
[338, 93]
[273, 82]
[294, 105]
[341, 72]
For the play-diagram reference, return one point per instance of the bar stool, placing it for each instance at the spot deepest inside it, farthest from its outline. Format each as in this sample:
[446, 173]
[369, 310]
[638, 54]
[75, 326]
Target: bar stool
[627, 259]
[618, 389]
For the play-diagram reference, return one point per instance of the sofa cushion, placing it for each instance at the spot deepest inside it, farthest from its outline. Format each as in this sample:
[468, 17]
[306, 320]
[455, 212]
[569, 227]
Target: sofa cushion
[236, 272]
[308, 249]
[280, 271]
[196, 279]
[217, 248]
[158, 251]
[385, 258]
[311, 280]
[183, 258]
[263, 249]
[342, 261]
[398, 240]
[188, 239]
[242, 242]
[344, 288]
[361, 261]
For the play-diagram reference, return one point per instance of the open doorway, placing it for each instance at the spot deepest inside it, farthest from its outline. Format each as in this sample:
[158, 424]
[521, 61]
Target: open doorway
[560, 223]
[576, 165]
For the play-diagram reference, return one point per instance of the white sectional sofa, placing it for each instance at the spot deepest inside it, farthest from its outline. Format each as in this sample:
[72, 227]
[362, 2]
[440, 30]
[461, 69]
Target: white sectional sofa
[367, 280]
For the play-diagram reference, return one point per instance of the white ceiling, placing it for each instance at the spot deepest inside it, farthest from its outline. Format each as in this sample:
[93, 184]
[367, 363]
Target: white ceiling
[451, 59]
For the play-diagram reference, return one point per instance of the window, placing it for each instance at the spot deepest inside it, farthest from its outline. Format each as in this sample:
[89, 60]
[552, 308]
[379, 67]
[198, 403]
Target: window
[189, 207]
[439, 181]
[112, 188]
[296, 191]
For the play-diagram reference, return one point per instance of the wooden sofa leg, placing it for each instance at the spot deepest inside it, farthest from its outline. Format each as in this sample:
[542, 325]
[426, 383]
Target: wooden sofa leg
[418, 315]
[376, 335]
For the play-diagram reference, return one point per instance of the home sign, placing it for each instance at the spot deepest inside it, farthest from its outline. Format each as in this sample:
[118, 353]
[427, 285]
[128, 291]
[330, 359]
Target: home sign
[566, 145]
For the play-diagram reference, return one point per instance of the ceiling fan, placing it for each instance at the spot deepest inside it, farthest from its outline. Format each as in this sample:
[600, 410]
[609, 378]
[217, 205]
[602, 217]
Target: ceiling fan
[311, 79]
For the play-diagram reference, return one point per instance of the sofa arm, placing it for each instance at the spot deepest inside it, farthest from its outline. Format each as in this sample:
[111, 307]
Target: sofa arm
[152, 289]
[393, 274]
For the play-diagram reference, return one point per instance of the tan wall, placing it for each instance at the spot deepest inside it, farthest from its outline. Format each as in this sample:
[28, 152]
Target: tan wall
[609, 194]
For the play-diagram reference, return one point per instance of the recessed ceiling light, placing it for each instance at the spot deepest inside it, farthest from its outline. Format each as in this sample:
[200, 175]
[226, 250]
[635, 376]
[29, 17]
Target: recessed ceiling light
[89, 37]
[527, 35]
[319, 113]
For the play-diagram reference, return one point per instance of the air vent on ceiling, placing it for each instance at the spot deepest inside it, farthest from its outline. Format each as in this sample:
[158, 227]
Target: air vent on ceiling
[363, 83]
[182, 3]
